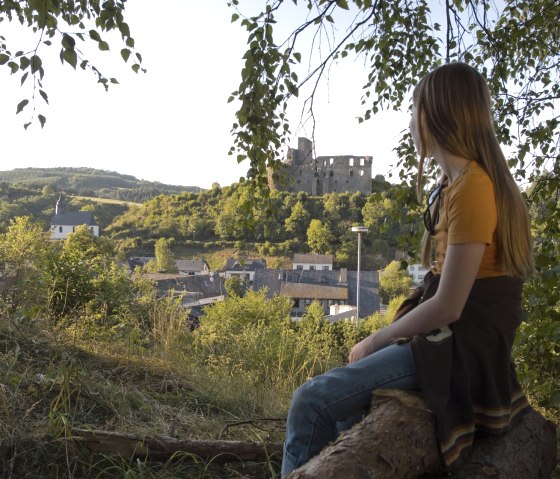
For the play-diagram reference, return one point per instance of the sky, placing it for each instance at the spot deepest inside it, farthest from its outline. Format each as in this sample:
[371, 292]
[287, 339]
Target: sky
[173, 124]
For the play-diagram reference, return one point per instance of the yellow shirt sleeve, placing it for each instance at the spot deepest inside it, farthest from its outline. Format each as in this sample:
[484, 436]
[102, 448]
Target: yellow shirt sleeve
[472, 214]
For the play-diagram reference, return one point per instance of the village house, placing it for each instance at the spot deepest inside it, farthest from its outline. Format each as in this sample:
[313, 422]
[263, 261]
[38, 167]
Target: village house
[196, 291]
[244, 268]
[65, 222]
[336, 290]
[323, 262]
[192, 267]
[417, 273]
[186, 267]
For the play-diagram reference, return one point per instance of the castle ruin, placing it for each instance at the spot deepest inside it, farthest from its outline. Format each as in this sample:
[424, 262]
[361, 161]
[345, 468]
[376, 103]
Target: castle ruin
[324, 174]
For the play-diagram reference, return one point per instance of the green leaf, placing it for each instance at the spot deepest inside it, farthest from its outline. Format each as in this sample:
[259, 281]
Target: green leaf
[24, 63]
[3, 58]
[94, 35]
[70, 57]
[42, 120]
[103, 46]
[24, 77]
[342, 4]
[125, 30]
[35, 63]
[14, 67]
[125, 54]
[68, 42]
[234, 17]
[21, 105]
[297, 56]
[44, 95]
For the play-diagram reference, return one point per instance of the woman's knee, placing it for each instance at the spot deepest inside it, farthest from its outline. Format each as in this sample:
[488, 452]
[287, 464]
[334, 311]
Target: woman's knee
[310, 395]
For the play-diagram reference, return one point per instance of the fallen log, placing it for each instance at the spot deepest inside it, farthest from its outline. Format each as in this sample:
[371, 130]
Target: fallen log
[397, 440]
[164, 447]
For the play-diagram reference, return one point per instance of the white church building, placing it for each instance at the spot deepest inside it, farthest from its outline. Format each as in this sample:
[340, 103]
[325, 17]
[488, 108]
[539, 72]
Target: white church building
[65, 222]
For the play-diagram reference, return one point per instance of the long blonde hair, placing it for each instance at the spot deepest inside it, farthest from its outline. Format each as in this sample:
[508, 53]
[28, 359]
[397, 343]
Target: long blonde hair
[454, 112]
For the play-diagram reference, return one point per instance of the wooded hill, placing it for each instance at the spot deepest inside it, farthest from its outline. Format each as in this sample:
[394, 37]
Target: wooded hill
[91, 182]
[214, 219]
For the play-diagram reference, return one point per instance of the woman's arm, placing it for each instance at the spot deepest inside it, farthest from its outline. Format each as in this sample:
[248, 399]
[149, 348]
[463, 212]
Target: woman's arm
[461, 265]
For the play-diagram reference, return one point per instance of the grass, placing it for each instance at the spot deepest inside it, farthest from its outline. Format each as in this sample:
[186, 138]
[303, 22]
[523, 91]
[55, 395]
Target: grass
[50, 384]
[107, 201]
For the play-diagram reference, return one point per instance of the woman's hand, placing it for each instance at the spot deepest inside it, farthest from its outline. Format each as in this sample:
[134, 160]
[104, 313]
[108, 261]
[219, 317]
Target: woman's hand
[374, 342]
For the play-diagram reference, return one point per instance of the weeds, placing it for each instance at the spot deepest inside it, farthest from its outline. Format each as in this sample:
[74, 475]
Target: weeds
[238, 369]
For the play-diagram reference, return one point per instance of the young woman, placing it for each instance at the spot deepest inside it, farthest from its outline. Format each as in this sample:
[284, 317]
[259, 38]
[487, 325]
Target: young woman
[460, 327]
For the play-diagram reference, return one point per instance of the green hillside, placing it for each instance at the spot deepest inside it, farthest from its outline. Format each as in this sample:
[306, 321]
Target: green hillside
[91, 182]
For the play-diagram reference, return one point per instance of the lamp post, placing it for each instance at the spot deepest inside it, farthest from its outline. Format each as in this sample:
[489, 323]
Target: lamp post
[359, 230]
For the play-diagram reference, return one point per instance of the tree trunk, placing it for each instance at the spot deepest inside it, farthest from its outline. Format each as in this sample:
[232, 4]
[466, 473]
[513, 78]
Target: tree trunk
[397, 440]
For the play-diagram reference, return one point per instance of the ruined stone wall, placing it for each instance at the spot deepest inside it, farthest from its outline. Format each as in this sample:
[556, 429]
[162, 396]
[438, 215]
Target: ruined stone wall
[324, 174]
[345, 173]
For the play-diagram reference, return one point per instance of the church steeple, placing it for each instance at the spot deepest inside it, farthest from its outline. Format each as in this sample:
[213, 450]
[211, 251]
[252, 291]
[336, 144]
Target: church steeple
[58, 207]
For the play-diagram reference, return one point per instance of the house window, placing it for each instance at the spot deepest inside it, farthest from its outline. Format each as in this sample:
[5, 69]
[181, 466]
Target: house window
[331, 173]
[60, 229]
[312, 268]
[362, 162]
[299, 266]
[361, 172]
[351, 172]
[296, 304]
[307, 302]
[351, 161]
[332, 161]
[325, 268]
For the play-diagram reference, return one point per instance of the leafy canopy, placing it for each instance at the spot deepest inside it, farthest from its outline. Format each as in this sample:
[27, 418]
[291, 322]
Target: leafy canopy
[67, 25]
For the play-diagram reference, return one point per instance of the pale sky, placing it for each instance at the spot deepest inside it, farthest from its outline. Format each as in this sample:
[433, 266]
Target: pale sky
[172, 124]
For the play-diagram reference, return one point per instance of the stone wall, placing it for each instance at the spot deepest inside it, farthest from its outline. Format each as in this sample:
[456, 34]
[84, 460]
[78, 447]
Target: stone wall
[325, 174]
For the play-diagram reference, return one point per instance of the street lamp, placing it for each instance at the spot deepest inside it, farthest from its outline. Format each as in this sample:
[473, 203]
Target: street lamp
[359, 230]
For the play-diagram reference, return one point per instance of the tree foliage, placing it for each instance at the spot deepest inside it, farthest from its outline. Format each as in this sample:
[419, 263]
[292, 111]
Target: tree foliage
[394, 282]
[164, 256]
[319, 237]
[68, 26]
[24, 255]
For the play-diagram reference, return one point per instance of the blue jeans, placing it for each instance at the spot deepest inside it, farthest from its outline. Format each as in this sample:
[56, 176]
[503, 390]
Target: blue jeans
[338, 399]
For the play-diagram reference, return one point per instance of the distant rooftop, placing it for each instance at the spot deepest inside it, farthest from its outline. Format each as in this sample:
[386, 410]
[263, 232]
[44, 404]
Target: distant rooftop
[313, 258]
[247, 264]
[74, 218]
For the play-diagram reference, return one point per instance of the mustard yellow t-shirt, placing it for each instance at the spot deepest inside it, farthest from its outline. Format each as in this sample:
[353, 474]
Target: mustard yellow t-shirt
[468, 214]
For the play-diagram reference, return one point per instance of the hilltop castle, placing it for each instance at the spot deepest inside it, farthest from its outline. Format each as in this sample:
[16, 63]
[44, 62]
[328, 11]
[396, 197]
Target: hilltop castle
[324, 174]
